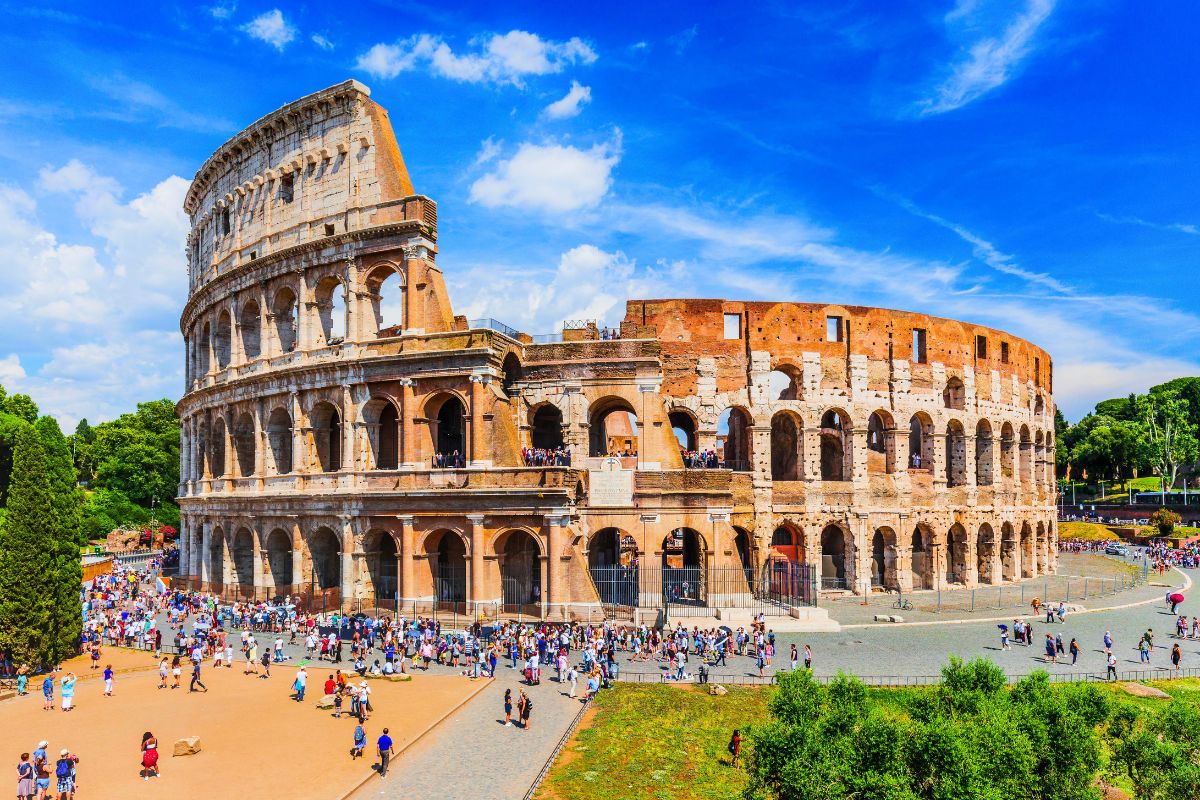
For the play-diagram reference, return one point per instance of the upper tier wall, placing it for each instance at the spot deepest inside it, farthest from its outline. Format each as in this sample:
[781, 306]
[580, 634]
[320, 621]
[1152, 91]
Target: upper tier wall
[871, 345]
[322, 166]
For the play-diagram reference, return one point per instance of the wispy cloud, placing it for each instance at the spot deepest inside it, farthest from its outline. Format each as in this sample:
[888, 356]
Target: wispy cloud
[271, 28]
[986, 63]
[321, 42]
[141, 100]
[570, 104]
[501, 58]
[1174, 227]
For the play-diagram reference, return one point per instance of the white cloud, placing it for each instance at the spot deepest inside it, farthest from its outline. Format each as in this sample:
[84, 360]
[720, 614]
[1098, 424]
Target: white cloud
[549, 177]
[500, 58]
[571, 103]
[489, 148]
[222, 10]
[988, 62]
[321, 42]
[95, 320]
[272, 28]
[1172, 227]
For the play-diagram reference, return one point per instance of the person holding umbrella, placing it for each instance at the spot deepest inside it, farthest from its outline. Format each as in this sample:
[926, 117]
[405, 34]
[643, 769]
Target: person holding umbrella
[1173, 600]
[1003, 637]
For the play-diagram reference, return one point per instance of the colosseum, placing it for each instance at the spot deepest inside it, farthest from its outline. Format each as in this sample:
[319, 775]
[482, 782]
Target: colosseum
[349, 441]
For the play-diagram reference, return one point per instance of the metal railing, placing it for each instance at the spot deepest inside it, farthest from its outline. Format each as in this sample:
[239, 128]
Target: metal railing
[562, 742]
[494, 325]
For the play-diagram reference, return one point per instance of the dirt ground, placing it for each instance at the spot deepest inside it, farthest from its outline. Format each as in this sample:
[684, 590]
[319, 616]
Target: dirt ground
[256, 742]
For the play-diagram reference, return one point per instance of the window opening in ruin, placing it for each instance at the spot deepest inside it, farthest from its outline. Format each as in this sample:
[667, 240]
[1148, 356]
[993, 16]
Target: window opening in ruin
[330, 229]
[920, 442]
[222, 340]
[287, 188]
[833, 329]
[921, 572]
[512, 373]
[386, 287]
[279, 560]
[733, 326]
[279, 439]
[248, 326]
[253, 254]
[782, 385]
[285, 320]
[613, 430]
[1037, 371]
[983, 453]
[547, 432]
[520, 574]
[244, 449]
[785, 448]
[833, 558]
[216, 459]
[326, 560]
[684, 428]
[327, 436]
[835, 465]
[880, 443]
[981, 347]
[956, 454]
[1004, 352]
[331, 308]
[918, 345]
[225, 221]
[389, 438]
[954, 396]
[451, 435]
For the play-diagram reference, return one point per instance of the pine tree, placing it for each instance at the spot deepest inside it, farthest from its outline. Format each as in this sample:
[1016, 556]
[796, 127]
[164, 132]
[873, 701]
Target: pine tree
[66, 571]
[27, 553]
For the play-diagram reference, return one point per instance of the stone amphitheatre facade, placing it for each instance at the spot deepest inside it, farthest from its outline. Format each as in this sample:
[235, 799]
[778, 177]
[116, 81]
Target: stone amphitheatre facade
[851, 449]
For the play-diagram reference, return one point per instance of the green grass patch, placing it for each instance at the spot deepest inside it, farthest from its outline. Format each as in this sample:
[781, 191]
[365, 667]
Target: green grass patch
[657, 742]
[1087, 531]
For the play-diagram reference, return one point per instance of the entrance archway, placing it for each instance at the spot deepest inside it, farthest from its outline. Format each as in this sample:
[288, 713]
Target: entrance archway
[683, 425]
[520, 573]
[985, 551]
[833, 558]
[383, 566]
[279, 560]
[613, 428]
[922, 559]
[613, 566]
[956, 555]
[243, 561]
[447, 556]
[326, 554]
[1010, 555]
[683, 562]
[1028, 561]
[216, 557]
[546, 432]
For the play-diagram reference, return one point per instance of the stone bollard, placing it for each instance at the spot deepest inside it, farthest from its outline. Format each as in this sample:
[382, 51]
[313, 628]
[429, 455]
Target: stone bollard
[187, 746]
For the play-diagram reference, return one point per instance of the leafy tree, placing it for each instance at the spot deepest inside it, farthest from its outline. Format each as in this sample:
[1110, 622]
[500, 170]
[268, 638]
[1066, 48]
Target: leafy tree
[82, 443]
[65, 570]
[27, 553]
[21, 405]
[138, 454]
[1165, 520]
[1105, 447]
[1121, 408]
[1160, 751]
[1170, 435]
[1062, 457]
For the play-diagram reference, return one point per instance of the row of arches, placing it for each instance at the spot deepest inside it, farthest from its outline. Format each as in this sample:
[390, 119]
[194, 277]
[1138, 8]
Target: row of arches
[276, 324]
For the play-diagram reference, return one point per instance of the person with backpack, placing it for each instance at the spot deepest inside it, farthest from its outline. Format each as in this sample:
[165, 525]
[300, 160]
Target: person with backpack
[64, 772]
[735, 747]
[360, 742]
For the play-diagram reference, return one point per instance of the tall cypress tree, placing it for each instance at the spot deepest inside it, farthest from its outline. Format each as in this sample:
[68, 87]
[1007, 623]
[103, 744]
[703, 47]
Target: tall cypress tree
[27, 555]
[66, 571]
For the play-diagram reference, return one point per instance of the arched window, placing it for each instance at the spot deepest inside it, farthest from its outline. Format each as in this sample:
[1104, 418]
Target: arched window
[385, 286]
[920, 442]
[512, 373]
[389, 438]
[1025, 456]
[279, 439]
[1007, 454]
[733, 439]
[448, 431]
[922, 566]
[837, 460]
[881, 443]
[284, 310]
[202, 348]
[244, 444]
[250, 327]
[326, 553]
[956, 454]
[833, 558]
[783, 384]
[327, 436]
[785, 447]
[217, 459]
[983, 453]
[613, 429]
[331, 310]
[222, 339]
[546, 432]
[954, 396]
[684, 428]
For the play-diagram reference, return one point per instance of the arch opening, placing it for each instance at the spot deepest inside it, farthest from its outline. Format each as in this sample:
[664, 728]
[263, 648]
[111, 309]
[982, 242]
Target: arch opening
[613, 565]
[984, 453]
[834, 574]
[546, 429]
[331, 311]
[383, 566]
[325, 551]
[881, 444]
[683, 567]
[284, 310]
[244, 441]
[782, 384]
[279, 440]
[250, 327]
[922, 559]
[449, 433]
[786, 445]
[684, 428]
[957, 563]
[733, 439]
[837, 458]
[387, 290]
[954, 396]
[217, 460]
[985, 554]
[279, 560]
[920, 442]
[1010, 555]
[448, 568]
[956, 454]
[223, 339]
[613, 429]
[327, 436]
[520, 573]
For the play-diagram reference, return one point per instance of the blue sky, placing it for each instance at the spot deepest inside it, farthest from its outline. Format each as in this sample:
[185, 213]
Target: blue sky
[1028, 164]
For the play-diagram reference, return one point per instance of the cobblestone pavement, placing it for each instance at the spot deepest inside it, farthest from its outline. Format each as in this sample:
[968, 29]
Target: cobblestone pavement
[472, 755]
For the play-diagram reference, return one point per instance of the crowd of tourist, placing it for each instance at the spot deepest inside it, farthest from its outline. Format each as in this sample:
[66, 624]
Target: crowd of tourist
[452, 460]
[701, 459]
[546, 457]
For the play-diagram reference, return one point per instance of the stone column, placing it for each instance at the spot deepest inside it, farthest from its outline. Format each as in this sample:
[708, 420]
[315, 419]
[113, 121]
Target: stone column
[476, 521]
[256, 543]
[205, 562]
[260, 444]
[938, 468]
[408, 591]
[937, 564]
[299, 456]
[811, 464]
[349, 546]
[481, 449]
[297, 557]
[969, 457]
[349, 429]
[414, 317]
[904, 576]
[408, 411]
[863, 551]
[556, 589]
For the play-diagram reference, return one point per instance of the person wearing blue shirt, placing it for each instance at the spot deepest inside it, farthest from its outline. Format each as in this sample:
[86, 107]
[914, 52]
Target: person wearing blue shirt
[385, 752]
[48, 692]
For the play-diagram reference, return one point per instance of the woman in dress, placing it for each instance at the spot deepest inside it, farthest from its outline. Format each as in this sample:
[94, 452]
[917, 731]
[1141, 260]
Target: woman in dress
[25, 790]
[149, 755]
[507, 708]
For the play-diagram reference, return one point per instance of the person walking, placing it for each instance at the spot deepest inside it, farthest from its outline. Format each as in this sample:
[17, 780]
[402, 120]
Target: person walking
[48, 692]
[266, 663]
[1108, 641]
[525, 709]
[385, 752]
[176, 672]
[162, 673]
[108, 680]
[300, 683]
[808, 657]
[196, 678]
[795, 659]
[149, 755]
[1176, 656]
[508, 708]
[1051, 650]
[1111, 674]
[360, 742]
[735, 747]
[1074, 648]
